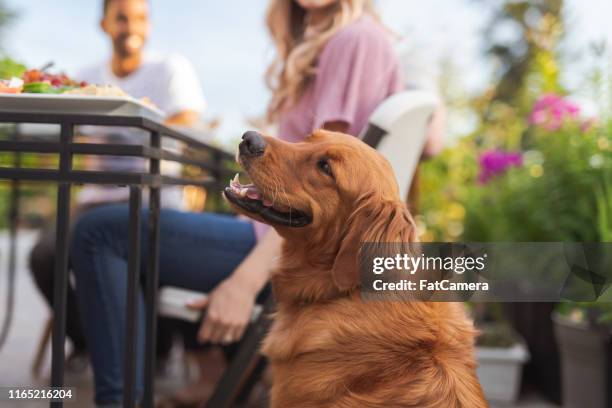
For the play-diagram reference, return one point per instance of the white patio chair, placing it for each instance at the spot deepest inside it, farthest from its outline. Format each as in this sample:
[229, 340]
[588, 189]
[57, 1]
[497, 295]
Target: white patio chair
[398, 130]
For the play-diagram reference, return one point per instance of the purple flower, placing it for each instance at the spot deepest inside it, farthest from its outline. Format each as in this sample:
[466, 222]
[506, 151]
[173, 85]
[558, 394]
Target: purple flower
[551, 110]
[496, 162]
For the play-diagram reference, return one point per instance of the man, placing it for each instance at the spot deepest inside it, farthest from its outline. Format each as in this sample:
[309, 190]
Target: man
[171, 84]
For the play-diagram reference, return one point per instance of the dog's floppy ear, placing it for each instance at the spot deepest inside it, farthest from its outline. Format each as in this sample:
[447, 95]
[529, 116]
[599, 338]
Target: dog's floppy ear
[374, 221]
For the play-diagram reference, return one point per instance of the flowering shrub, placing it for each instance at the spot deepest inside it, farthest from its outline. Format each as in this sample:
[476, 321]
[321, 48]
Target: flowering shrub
[496, 162]
[557, 187]
[551, 111]
[563, 190]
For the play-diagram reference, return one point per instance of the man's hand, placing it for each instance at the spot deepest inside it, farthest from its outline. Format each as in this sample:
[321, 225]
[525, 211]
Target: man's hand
[228, 311]
[185, 118]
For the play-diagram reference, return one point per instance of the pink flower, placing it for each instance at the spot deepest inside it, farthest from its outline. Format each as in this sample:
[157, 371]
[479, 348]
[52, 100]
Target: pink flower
[496, 162]
[552, 110]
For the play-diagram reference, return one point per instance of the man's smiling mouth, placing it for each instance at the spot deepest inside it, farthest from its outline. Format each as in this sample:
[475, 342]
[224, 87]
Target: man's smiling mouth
[250, 199]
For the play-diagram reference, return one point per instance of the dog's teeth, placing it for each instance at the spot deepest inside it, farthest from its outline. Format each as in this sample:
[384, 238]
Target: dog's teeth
[243, 192]
[235, 182]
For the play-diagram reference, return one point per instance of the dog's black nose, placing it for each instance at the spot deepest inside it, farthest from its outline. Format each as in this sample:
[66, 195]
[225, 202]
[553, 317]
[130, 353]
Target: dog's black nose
[252, 145]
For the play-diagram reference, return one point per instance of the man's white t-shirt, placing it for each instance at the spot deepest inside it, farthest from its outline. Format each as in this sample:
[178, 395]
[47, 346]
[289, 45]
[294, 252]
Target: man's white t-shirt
[170, 83]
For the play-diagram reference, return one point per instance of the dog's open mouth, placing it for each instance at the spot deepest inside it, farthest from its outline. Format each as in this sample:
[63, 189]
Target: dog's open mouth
[249, 198]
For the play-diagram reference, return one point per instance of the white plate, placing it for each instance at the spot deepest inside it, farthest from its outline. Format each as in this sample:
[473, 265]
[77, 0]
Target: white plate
[78, 105]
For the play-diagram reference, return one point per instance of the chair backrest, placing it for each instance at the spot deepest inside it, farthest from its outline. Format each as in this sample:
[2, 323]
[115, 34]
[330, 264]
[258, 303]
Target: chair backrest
[398, 129]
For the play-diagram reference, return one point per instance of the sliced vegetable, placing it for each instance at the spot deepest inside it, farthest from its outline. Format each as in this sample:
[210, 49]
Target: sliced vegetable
[38, 87]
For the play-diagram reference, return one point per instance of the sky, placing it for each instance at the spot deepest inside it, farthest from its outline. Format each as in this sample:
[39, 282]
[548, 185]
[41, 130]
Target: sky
[228, 44]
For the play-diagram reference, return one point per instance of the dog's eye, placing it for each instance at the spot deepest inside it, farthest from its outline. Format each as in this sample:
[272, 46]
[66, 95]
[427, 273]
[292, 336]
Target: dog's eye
[323, 165]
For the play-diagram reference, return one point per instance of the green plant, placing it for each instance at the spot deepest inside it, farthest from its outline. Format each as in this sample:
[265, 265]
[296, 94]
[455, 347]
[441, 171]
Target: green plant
[497, 335]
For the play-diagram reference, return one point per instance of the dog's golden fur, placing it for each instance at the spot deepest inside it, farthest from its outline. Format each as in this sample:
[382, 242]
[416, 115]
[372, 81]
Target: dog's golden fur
[327, 348]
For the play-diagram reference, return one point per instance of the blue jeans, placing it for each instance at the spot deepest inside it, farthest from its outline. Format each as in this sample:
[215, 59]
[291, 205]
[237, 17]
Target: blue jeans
[197, 251]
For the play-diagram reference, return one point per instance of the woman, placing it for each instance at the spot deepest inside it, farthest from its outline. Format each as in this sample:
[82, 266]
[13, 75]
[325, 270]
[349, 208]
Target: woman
[335, 64]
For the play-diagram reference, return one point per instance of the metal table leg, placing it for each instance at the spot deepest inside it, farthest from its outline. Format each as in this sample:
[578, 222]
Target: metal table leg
[130, 356]
[152, 283]
[61, 263]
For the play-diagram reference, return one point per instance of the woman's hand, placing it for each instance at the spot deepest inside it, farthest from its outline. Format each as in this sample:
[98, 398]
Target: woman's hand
[228, 311]
[230, 305]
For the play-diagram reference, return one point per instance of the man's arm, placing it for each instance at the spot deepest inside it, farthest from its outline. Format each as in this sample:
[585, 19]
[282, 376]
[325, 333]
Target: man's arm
[186, 118]
[184, 102]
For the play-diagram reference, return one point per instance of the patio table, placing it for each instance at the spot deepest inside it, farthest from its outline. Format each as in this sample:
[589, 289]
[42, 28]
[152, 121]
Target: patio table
[210, 160]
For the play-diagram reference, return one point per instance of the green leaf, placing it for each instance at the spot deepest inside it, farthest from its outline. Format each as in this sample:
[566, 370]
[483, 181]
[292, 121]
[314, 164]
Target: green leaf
[10, 68]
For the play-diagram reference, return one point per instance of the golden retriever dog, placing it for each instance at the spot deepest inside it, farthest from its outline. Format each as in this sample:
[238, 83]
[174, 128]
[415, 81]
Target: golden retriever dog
[327, 348]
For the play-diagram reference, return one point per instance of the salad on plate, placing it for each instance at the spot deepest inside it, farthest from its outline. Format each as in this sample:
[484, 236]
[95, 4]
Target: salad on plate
[15, 78]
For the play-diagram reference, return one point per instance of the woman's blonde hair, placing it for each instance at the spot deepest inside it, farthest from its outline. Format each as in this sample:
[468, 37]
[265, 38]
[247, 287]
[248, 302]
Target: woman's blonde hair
[297, 54]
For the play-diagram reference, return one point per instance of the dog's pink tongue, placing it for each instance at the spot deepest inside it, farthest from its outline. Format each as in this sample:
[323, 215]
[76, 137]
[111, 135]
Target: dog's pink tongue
[253, 193]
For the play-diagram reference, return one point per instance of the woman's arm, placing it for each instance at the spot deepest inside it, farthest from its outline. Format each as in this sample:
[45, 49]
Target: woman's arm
[255, 269]
[230, 304]
[337, 126]
[435, 134]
